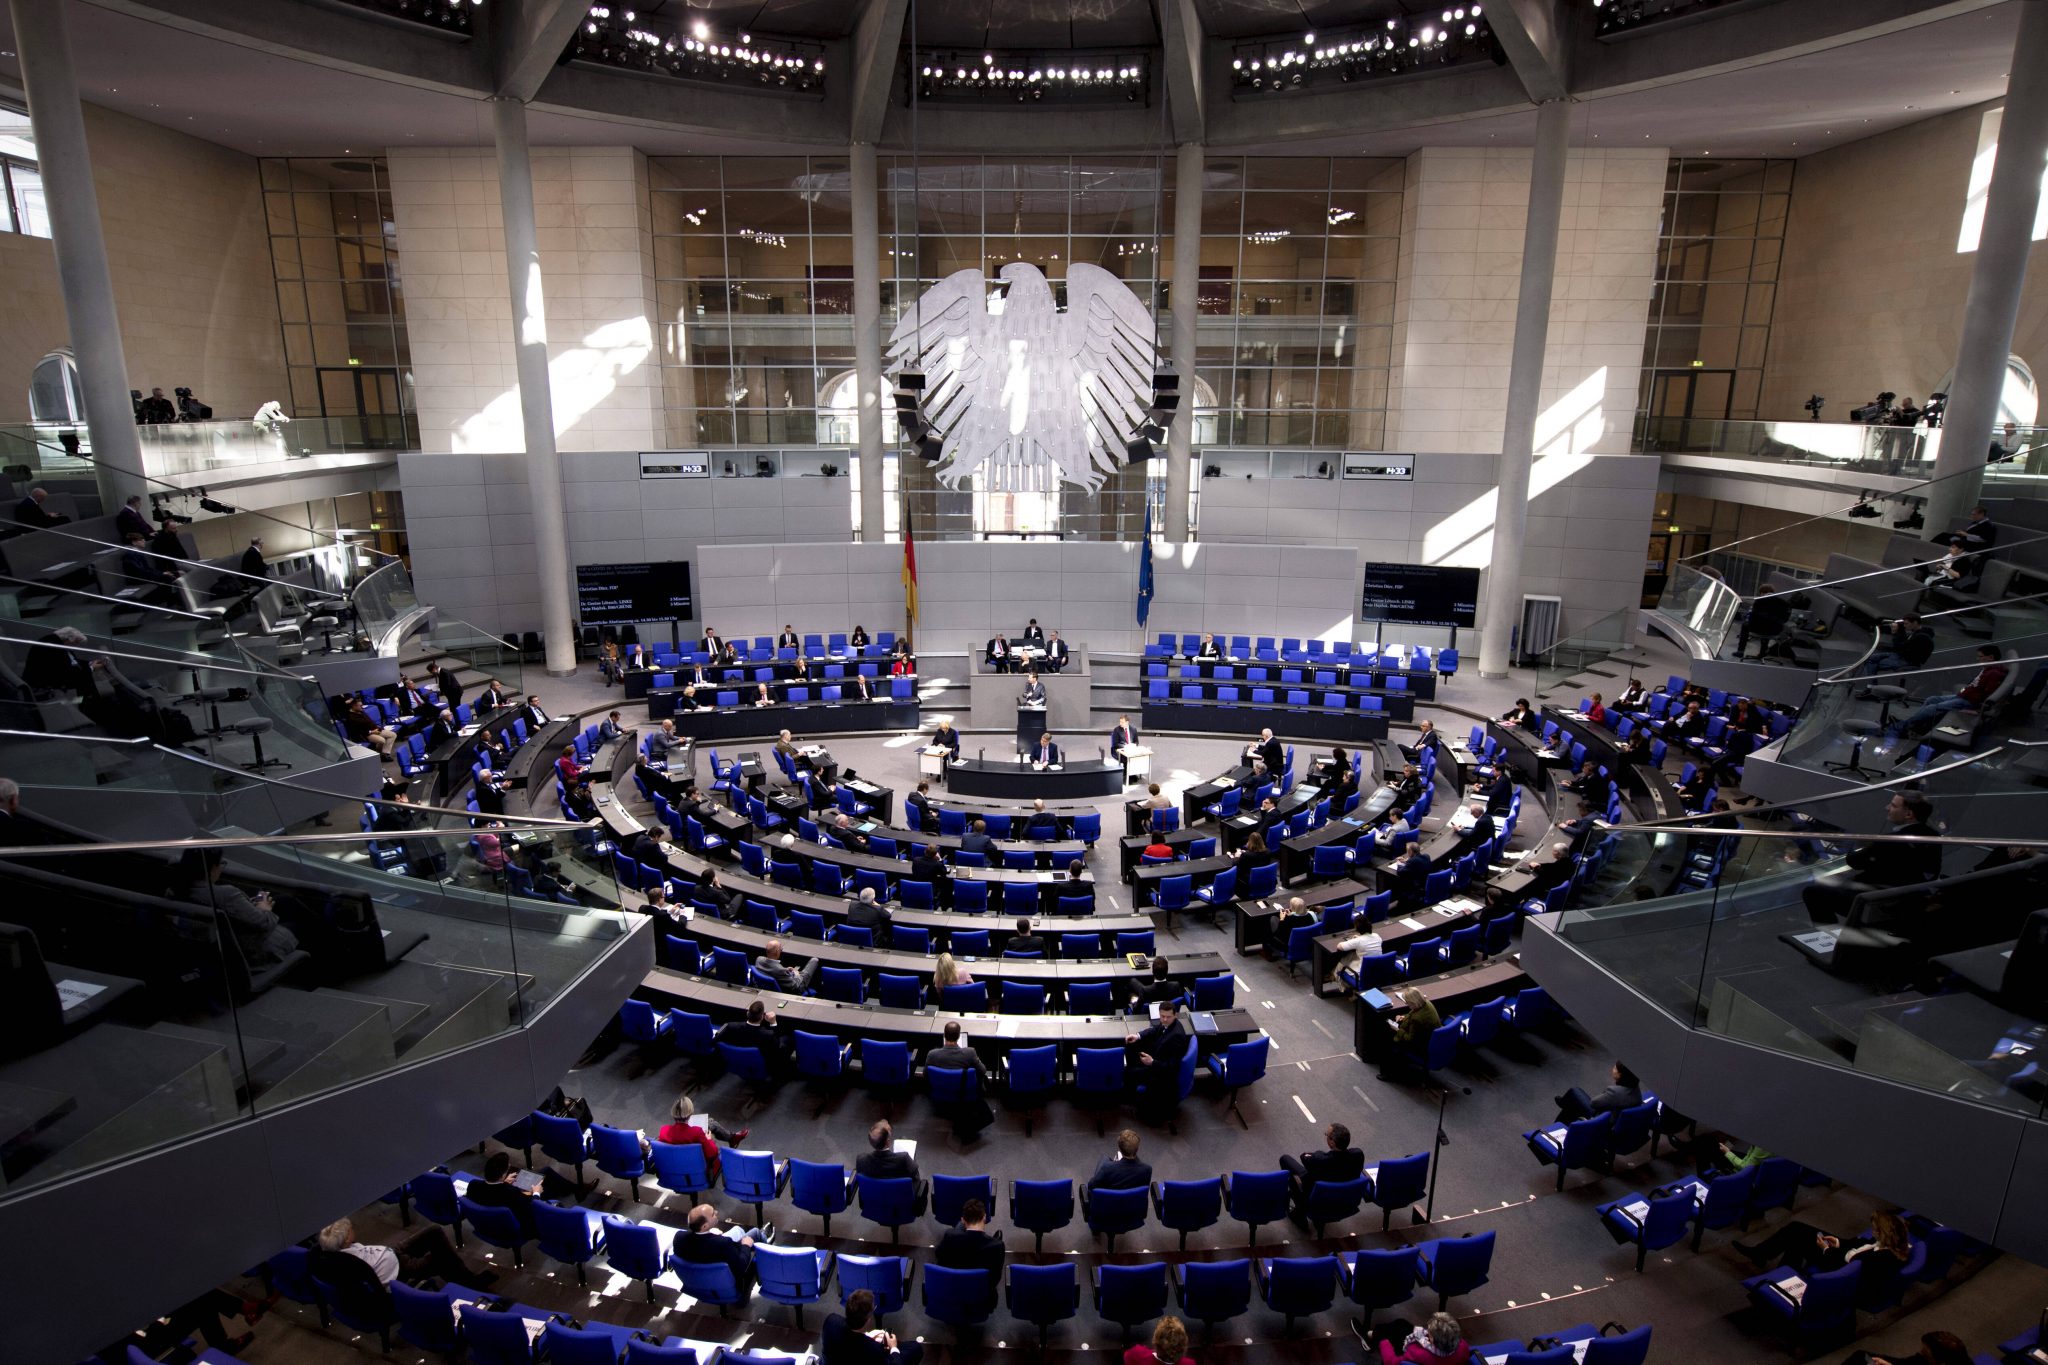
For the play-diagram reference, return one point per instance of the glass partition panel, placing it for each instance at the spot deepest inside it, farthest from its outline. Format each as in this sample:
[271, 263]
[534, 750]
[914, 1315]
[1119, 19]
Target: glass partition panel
[1582, 649]
[1780, 942]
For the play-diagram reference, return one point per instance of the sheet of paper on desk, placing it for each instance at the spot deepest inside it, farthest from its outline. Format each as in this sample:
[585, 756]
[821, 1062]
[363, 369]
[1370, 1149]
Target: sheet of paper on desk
[1007, 1028]
[71, 994]
[1412, 923]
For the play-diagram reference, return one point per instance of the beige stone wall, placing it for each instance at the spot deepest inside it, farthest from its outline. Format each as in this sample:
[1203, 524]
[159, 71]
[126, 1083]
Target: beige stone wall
[1872, 292]
[594, 231]
[1454, 315]
[190, 260]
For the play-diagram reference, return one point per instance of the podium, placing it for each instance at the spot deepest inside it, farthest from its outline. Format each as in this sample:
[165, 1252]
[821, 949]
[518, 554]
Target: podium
[931, 761]
[1030, 725]
[1137, 763]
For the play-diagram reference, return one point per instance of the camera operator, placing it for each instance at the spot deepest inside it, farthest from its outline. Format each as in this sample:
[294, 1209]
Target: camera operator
[190, 409]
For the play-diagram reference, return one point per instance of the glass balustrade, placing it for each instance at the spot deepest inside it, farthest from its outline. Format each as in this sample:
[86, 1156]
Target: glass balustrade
[181, 450]
[1937, 986]
[158, 987]
[1583, 649]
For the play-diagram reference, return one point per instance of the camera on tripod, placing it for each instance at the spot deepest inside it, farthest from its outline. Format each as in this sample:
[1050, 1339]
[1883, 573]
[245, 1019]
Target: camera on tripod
[1875, 413]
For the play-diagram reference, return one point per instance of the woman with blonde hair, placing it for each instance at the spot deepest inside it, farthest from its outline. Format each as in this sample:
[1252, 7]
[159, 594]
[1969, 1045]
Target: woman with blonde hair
[947, 972]
[1436, 1342]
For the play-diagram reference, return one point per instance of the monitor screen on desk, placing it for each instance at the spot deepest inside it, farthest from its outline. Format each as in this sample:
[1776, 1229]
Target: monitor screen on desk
[619, 594]
[1421, 594]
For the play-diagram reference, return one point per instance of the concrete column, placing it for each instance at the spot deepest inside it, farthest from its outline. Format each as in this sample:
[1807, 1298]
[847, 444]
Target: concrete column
[867, 334]
[44, 45]
[1186, 310]
[2001, 269]
[1525, 386]
[536, 400]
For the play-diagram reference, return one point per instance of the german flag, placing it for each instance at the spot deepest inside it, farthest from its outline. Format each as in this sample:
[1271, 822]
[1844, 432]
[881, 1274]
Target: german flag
[909, 577]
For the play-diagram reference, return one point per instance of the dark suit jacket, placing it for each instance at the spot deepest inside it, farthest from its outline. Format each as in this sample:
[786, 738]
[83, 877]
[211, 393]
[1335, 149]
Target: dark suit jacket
[963, 1249]
[788, 641]
[252, 563]
[1327, 1165]
[1616, 1098]
[711, 1248]
[886, 1165]
[1888, 864]
[1405, 880]
[975, 841]
[1274, 755]
[1166, 1047]
[1549, 874]
[1209, 649]
[742, 1034]
[929, 869]
[1481, 833]
[1501, 794]
[451, 688]
[841, 1345]
[1057, 651]
[954, 1058]
[503, 1196]
[29, 512]
[1035, 634]
[1046, 753]
[1123, 735]
[129, 522]
[869, 915]
[1112, 1174]
[949, 737]
[1025, 943]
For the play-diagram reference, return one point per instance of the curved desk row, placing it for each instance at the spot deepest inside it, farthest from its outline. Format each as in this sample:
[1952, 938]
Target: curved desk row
[990, 1035]
[805, 852]
[1309, 722]
[1285, 696]
[764, 722]
[1053, 973]
[1013, 781]
[1418, 683]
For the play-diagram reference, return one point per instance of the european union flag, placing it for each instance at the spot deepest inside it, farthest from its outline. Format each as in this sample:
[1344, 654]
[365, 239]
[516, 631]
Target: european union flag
[1145, 569]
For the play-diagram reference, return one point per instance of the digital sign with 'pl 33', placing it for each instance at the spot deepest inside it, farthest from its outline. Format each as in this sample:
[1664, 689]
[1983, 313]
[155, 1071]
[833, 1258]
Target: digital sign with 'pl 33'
[617, 594]
[1421, 594]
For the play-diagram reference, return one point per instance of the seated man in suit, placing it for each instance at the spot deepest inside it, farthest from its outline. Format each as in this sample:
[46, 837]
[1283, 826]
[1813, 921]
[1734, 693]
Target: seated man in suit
[492, 697]
[997, 654]
[536, 714]
[499, 1189]
[787, 975]
[1478, 829]
[31, 512]
[758, 1030]
[864, 912]
[1047, 754]
[1160, 988]
[1121, 1170]
[1123, 737]
[1152, 1061]
[704, 1244]
[853, 1338]
[1043, 824]
[969, 1118]
[444, 729]
[947, 738]
[1055, 653]
[1024, 941]
[969, 1245]
[610, 728]
[1544, 876]
[1338, 1161]
[1499, 793]
[1625, 1093]
[882, 1161]
[1034, 691]
[1427, 739]
[1880, 864]
[1405, 877]
[930, 866]
[976, 840]
[1208, 649]
[842, 829]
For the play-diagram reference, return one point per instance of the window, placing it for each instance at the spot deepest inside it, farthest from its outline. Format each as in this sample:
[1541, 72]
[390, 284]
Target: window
[1980, 187]
[21, 183]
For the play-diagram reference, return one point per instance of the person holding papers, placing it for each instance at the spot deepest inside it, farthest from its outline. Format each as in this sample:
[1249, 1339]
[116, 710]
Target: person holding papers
[1034, 691]
[1208, 649]
[1047, 754]
[1268, 751]
[1806, 1248]
[883, 1160]
[1438, 1342]
[1123, 737]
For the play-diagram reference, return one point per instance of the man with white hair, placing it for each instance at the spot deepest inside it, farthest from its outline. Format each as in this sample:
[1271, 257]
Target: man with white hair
[424, 1260]
[1544, 876]
[31, 512]
[845, 833]
[1269, 752]
[865, 912]
[1478, 827]
[787, 977]
[17, 828]
[59, 664]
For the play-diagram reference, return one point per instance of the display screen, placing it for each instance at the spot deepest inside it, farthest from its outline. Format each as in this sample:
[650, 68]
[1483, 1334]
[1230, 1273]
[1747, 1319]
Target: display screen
[617, 594]
[1421, 594]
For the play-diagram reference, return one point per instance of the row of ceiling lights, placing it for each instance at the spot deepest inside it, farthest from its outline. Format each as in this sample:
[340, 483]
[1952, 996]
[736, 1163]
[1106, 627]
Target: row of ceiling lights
[1618, 16]
[1069, 77]
[1403, 44]
[453, 15]
[617, 37]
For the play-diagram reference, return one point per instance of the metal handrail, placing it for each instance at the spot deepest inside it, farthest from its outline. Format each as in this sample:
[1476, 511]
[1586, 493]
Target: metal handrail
[1686, 821]
[101, 597]
[205, 661]
[266, 581]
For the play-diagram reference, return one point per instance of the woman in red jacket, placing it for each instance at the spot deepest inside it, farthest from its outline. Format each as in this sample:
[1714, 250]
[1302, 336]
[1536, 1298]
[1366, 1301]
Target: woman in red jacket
[1169, 1346]
[1436, 1342]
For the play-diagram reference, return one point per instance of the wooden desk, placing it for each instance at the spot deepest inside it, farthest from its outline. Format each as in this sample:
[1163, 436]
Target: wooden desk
[1076, 779]
[1395, 935]
[1309, 722]
[1254, 919]
[1371, 1031]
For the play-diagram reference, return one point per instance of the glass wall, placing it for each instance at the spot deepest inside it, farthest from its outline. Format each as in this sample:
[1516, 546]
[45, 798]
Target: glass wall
[1718, 251]
[334, 251]
[21, 180]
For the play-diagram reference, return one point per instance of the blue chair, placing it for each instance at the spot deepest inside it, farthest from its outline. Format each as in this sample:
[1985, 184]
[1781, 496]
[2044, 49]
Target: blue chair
[618, 1154]
[290, 1273]
[1021, 997]
[970, 897]
[747, 1063]
[821, 1057]
[1297, 1286]
[498, 1226]
[753, 1178]
[1041, 1206]
[820, 1187]
[898, 992]
[561, 1344]
[1238, 1066]
[1827, 1305]
[681, 1166]
[1726, 1203]
[1398, 1184]
[433, 1194]
[638, 1023]
[1562, 1354]
[562, 1139]
[1043, 1295]
[424, 1318]
[792, 1276]
[958, 1298]
[1130, 1294]
[1091, 997]
[712, 1282]
[1454, 1265]
[1214, 1291]
[1111, 1213]
[1256, 1198]
[1580, 1145]
[495, 1338]
[1171, 894]
[885, 1063]
[1029, 1073]
[1215, 992]
[1136, 941]
[971, 998]
[886, 1277]
[1777, 1184]
[950, 1192]
[1629, 1348]
[1379, 1279]
[1333, 1201]
[1189, 1205]
[1099, 1077]
[634, 1250]
[891, 1203]
[568, 1234]
[844, 984]
[1651, 1224]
